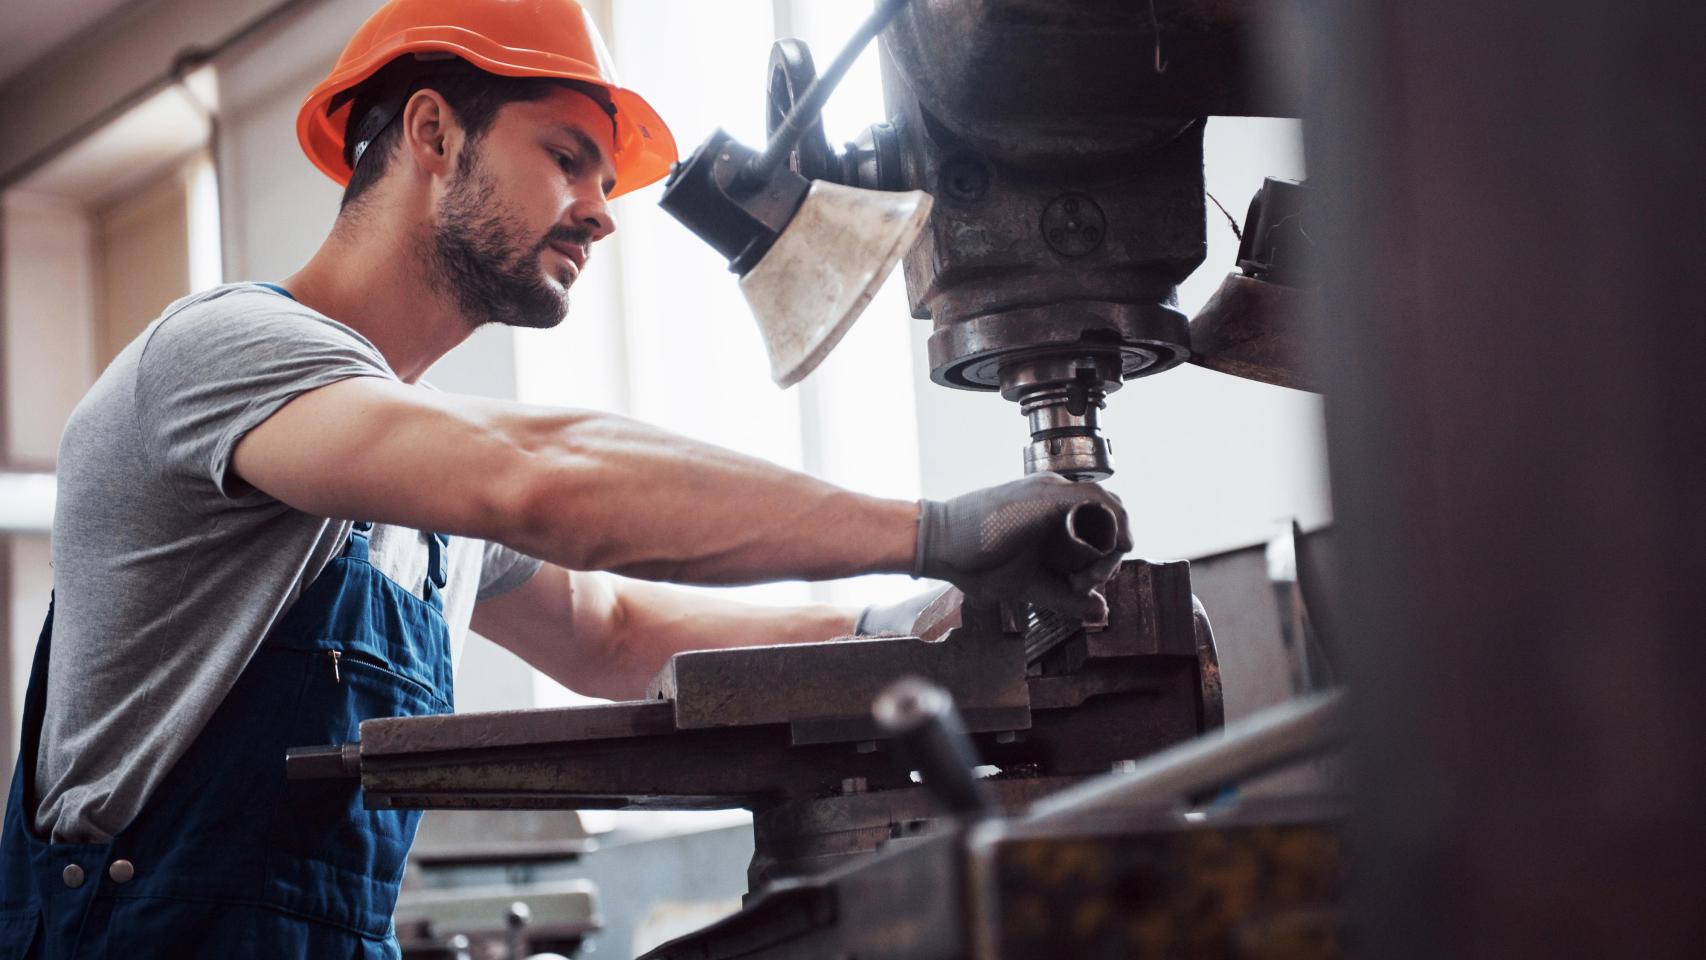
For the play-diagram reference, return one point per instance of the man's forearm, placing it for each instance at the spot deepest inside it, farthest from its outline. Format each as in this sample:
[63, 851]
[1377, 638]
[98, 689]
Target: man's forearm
[650, 622]
[599, 492]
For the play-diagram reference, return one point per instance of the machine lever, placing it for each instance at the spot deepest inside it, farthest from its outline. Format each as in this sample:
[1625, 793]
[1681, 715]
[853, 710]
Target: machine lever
[932, 739]
[1090, 532]
[806, 110]
[330, 762]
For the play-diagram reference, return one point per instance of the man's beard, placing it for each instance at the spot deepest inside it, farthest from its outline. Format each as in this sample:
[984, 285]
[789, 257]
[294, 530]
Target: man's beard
[480, 256]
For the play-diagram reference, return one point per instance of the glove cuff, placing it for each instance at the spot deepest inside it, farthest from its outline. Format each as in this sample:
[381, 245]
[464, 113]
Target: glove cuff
[861, 625]
[932, 520]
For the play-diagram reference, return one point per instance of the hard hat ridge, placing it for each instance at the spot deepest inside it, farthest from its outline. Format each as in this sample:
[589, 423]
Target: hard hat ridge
[553, 39]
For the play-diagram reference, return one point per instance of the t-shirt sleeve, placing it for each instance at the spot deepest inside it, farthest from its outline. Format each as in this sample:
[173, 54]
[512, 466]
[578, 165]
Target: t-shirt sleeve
[503, 570]
[215, 370]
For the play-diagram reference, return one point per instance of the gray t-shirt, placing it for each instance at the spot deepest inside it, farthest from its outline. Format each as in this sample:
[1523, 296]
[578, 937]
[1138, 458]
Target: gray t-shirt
[168, 573]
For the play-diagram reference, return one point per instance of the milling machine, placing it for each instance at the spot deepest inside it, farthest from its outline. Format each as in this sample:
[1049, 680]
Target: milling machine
[1062, 147]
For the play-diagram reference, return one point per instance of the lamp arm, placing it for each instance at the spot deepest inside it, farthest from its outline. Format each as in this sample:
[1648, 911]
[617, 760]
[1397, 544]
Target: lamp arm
[782, 143]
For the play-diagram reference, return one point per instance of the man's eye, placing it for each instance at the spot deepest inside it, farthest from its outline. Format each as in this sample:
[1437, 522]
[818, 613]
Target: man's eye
[564, 161]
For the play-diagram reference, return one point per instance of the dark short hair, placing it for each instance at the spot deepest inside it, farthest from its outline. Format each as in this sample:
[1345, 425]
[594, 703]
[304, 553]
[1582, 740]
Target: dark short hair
[473, 94]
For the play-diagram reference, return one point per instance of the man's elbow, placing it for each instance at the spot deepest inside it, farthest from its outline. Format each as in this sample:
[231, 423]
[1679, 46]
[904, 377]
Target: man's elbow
[525, 501]
[609, 665]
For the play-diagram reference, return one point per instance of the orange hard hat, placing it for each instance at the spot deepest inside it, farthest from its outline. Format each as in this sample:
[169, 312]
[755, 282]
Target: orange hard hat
[517, 38]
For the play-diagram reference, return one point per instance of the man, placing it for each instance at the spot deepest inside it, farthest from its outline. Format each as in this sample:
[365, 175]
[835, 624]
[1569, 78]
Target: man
[268, 530]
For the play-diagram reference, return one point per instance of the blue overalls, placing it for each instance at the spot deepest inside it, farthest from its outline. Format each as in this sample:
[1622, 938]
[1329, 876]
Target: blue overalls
[229, 859]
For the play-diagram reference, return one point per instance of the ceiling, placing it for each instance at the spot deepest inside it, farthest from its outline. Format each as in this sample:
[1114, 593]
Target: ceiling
[33, 27]
[148, 137]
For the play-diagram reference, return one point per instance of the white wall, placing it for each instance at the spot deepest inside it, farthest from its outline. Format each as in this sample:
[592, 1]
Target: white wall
[49, 313]
[48, 310]
[31, 582]
[1204, 461]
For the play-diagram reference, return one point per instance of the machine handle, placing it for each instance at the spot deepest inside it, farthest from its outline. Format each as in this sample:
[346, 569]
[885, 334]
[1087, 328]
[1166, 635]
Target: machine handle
[932, 739]
[1090, 532]
[330, 762]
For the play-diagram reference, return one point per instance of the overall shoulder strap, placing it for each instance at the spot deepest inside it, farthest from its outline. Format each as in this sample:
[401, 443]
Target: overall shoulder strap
[360, 539]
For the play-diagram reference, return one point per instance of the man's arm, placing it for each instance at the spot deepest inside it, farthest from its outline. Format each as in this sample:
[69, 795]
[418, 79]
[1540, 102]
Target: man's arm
[579, 489]
[607, 637]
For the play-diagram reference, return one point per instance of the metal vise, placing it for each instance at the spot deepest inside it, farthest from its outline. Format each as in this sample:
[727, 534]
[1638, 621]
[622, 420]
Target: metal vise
[787, 732]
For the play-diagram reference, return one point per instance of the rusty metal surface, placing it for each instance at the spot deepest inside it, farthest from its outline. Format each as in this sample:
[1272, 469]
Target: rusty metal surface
[515, 728]
[739, 767]
[1259, 330]
[1263, 881]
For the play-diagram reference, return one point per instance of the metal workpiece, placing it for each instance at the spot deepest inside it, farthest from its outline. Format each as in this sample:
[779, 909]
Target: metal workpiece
[824, 691]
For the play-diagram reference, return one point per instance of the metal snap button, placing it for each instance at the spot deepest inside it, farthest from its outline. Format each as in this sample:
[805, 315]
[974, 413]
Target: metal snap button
[121, 871]
[72, 875]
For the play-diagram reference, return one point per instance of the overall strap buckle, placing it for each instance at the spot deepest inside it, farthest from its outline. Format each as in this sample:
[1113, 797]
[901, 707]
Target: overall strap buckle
[438, 563]
[358, 544]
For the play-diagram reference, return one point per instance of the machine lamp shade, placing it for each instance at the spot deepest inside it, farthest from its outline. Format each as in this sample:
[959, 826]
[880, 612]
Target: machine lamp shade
[810, 253]
[824, 269]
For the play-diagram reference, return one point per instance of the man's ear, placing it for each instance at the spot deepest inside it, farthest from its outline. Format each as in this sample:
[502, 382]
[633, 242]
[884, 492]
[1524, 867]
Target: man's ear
[431, 135]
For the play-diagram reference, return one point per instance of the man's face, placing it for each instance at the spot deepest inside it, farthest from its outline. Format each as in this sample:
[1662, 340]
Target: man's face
[526, 204]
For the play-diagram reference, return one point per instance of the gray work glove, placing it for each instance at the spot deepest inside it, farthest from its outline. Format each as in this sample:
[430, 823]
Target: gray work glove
[1010, 542]
[895, 619]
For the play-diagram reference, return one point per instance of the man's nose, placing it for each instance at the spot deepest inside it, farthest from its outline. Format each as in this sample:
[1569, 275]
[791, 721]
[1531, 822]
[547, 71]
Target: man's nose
[591, 213]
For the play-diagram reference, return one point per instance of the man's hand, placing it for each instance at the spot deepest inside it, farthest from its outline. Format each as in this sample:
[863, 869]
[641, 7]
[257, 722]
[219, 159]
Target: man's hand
[1012, 542]
[896, 619]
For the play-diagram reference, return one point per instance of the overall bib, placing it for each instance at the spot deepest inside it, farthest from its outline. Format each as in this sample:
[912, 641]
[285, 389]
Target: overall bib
[229, 859]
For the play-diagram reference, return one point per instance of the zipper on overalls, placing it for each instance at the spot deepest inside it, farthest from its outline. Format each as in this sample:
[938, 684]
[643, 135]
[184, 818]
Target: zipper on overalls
[337, 677]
